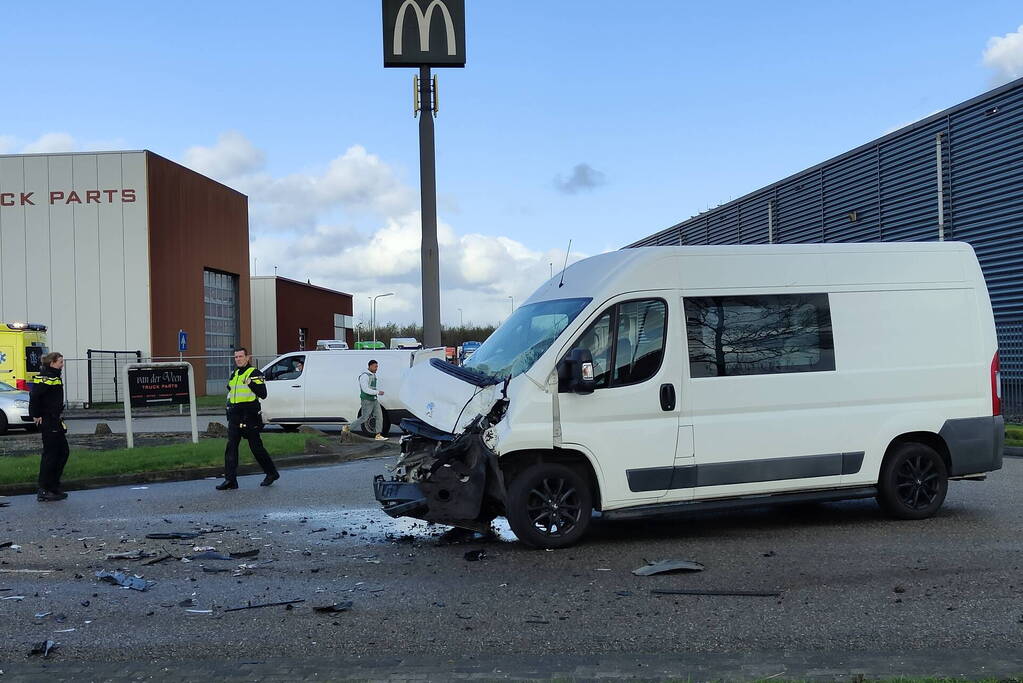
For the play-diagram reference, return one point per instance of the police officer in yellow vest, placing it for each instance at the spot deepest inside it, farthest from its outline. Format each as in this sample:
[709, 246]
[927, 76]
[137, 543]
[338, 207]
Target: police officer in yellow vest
[244, 389]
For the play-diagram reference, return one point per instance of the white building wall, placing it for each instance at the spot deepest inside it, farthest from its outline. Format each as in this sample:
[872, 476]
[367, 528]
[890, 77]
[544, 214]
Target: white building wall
[263, 296]
[78, 263]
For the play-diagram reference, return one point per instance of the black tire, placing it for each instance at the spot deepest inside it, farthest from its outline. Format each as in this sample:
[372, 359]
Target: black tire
[290, 428]
[385, 422]
[3, 423]
[549, 505]
[913, 482]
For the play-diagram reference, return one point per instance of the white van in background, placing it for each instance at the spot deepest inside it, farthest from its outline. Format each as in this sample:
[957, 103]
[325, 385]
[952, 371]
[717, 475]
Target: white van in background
[662, 379]
[331, 345]
[405, 343]
[322, 387]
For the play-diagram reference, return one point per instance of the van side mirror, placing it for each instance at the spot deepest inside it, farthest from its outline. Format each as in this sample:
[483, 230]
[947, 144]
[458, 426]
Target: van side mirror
[575, 372]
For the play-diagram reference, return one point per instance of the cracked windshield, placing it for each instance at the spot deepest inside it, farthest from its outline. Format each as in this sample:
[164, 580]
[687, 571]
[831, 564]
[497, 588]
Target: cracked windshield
[524, 337]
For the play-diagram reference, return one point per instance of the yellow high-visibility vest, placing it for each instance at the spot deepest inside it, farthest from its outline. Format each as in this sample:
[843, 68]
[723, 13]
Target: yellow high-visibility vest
[237, 390]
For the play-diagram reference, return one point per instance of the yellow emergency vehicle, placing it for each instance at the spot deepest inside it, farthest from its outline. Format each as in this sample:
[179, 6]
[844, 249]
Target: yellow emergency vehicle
[22, 346]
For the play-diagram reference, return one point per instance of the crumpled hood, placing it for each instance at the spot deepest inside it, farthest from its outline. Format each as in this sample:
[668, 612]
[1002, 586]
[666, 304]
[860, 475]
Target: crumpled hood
[443, 401]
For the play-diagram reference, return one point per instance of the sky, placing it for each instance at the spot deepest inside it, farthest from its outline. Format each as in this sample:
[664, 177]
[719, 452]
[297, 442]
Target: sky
[593, 121]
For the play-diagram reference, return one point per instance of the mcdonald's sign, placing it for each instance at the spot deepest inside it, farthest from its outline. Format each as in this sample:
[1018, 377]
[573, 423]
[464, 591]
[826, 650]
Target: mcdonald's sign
[424, 33]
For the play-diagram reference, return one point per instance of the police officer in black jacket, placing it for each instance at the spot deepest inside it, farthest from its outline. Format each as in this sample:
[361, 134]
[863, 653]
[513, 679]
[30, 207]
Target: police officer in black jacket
[45, 405]
[244, 389]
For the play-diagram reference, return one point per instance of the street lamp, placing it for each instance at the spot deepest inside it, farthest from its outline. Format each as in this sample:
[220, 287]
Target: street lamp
[512, 303]
[461, 321]
[375, 314]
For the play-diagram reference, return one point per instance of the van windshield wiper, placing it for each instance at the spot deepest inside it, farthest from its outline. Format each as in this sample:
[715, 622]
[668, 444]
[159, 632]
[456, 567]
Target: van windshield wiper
[473, 377]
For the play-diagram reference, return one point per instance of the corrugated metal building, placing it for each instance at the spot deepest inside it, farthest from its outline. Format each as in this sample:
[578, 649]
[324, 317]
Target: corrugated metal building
[957, 174]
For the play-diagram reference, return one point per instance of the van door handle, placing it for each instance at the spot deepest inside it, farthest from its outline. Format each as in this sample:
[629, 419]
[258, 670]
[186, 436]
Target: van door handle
[668, 397]
[296, 386]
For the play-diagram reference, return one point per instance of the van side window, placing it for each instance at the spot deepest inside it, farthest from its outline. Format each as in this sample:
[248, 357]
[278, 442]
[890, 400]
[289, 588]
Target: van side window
[759, 335]
[640, 342]
[626, 342]
[291, 367]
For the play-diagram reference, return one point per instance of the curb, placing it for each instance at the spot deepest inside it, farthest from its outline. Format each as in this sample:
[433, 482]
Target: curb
[190, 474]
[1013, 451]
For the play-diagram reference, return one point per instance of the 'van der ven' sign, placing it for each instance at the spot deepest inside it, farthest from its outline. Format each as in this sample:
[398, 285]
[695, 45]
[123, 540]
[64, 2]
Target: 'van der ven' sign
[158, 386]
[424, 33]
[125, 196]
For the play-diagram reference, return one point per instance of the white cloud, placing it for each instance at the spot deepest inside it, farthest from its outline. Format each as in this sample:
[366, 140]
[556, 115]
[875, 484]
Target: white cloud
[1004, 54]
[232, 155]
[353, 225]
[51, 143]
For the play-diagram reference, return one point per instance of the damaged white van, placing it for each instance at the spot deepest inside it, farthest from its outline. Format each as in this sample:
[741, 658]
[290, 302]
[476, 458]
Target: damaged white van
[651, 381]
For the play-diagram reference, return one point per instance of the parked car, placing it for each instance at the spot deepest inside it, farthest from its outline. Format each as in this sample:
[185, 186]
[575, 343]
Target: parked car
[14, 408]
[664, 379]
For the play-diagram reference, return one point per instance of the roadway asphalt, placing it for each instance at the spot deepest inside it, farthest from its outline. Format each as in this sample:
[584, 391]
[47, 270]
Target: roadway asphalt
[859, 593]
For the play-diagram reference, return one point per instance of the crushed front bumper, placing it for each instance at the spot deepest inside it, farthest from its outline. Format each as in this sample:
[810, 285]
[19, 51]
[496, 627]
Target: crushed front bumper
[457, 481]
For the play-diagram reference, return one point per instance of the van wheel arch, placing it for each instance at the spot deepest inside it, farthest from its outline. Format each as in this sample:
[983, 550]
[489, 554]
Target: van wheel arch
[516, 462]
[929, 439]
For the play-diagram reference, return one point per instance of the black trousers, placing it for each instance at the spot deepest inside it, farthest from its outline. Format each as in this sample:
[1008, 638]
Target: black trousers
[235, 432]
[55, 454]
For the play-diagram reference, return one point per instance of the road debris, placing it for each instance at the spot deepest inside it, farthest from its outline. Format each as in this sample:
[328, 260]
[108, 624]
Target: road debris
[199, 611]
[42, 615]
[215, 570]
[287, 603]
[158, 560]
[475, 555]
[13, 597]
[336, 608]
[173, 535]
[133, 555]
[43, 648]
[693, 591]
[122, 579]
[667, 567]
[242, 554]
[27, 571]
[210, 555]
[6, 544]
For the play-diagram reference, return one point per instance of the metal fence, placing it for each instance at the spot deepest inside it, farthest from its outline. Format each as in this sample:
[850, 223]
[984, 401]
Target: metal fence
[103, 372]
[1010, 354]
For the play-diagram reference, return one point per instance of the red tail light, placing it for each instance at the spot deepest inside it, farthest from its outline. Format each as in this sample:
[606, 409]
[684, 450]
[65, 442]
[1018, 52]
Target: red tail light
[996, 386]
[22, 385]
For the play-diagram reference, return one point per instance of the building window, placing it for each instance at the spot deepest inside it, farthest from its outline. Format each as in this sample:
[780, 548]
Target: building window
[341, 324]
[222, 327]
[759, 335]
[303, 334]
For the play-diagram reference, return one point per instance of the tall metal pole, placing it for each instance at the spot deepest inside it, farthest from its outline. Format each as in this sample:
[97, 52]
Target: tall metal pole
[428, 192]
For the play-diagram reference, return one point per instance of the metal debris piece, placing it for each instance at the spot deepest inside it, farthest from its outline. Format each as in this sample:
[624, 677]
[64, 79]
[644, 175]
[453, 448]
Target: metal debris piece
[158, 560]
[210, 555]
[6, 544]
[43, 648]
[241, 554]
[66, 630]
[215, 570]
[667, 567]
[475, 555]
[173, 535]
[42, 615]
[203, 548]
[13, 597]
[133, 555]
[136, 583]
[199, 611]
[265, 604]
[687, 591]
[336, 608]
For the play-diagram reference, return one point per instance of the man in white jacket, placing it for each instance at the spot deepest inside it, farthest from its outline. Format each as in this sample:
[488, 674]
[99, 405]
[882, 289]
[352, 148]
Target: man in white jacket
[370, 416]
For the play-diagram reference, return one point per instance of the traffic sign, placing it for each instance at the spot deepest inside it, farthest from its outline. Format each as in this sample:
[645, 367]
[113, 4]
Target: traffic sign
[182, 340]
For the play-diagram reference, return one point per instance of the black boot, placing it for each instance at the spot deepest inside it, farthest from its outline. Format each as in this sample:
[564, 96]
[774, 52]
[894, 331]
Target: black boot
[228, 485]
[269, 479]
[44, 496]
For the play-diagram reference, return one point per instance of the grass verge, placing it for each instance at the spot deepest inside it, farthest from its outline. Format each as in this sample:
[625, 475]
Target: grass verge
[1014, 435]
[83, 464]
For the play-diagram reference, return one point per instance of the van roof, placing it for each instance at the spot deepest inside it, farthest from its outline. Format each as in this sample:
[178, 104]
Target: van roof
[763, 265]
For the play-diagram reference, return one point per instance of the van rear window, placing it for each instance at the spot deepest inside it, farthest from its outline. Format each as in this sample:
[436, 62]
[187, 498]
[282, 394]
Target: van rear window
[759, 335]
